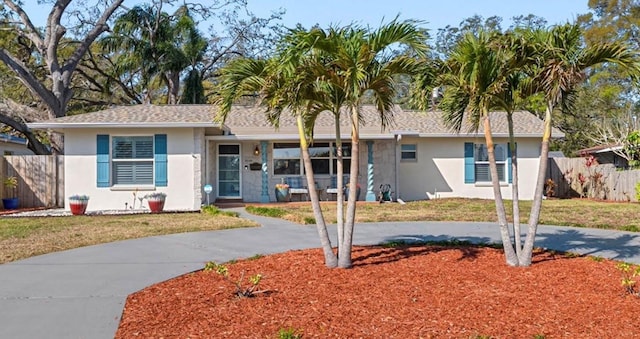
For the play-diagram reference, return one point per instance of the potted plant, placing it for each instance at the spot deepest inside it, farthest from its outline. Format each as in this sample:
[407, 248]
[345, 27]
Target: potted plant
[78, 204]
[156, 201]
[282, 192]
[346, 191]
[11, 202]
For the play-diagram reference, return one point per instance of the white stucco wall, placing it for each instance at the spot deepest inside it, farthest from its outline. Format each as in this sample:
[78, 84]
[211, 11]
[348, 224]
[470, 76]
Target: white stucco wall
[439, 170]
[184, 152]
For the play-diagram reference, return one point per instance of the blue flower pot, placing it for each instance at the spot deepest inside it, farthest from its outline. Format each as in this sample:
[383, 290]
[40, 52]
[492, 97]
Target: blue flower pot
[282, 195]
[10, 203]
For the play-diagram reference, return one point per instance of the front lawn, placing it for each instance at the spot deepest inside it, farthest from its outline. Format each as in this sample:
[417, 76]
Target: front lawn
[25, 237]
[566, 212]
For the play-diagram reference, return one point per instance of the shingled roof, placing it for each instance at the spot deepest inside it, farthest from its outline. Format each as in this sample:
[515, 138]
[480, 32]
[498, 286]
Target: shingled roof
[250, 121]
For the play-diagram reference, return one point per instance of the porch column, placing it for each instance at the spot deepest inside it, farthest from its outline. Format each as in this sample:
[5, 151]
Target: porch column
[371, 196]
[264, 198]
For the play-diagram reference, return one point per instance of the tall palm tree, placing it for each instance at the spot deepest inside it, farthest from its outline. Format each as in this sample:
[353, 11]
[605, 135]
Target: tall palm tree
[559, 63]
[361, 63]
[280, 84]
[476, 76]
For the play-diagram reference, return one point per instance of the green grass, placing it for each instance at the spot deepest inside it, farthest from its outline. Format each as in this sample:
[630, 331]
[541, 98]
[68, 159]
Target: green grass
[624, 216]
[25, 237]
[274, 212]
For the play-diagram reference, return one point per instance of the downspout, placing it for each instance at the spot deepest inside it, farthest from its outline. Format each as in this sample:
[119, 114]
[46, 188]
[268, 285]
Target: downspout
[396, 163]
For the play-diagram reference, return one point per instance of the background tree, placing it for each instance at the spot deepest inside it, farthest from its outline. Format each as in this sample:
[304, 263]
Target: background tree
[54, 90]
[155, 45]
[609, 96]
[170, 48]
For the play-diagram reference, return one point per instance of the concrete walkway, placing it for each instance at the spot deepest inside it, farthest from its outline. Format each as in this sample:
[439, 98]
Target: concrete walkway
[80, 293]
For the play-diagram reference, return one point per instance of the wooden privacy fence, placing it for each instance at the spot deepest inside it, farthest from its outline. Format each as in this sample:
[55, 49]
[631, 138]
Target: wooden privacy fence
[573, 178]
[40, 179]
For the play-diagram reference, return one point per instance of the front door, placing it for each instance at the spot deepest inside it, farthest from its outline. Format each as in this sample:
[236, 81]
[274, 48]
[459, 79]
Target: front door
[229, 171]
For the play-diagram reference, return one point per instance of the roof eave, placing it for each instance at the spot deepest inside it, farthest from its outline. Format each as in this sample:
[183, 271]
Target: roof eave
[75, 125]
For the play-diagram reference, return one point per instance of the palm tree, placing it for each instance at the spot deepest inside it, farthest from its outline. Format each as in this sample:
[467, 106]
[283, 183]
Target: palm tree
[279, 84]
[361, 64]
[318, 70]
[476, 76]
[558, 64]
[156, 45]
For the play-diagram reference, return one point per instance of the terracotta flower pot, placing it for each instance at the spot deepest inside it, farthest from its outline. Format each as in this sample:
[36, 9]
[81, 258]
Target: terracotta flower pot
[78, 207]
[156, 205]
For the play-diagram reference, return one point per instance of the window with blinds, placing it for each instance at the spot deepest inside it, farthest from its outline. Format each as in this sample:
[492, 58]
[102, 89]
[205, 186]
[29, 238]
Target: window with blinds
[482, 171]
[132, 159]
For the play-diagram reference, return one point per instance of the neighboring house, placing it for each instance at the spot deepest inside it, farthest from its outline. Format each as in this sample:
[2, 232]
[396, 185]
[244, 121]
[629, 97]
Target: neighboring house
[116, 153]
[605, 154]
[12, 145]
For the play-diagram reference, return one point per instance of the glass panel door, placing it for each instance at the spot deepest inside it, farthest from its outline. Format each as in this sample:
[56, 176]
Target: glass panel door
[229, 171]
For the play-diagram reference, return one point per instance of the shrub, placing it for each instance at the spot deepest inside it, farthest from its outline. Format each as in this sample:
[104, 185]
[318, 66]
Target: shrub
[241, 291]
[630, 274]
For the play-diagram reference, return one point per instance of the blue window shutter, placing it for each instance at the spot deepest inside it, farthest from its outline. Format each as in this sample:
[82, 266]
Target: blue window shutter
[509, 169]
[509, 163]
[160, 157]
[102, 156]
[469, 164]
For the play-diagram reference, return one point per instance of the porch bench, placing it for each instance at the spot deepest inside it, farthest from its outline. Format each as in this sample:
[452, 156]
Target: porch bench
[333, 189]
[296, 187]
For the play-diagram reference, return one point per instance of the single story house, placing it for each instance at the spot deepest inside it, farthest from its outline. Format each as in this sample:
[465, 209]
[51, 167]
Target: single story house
[605, 154]
[12, 145]
[121, 153]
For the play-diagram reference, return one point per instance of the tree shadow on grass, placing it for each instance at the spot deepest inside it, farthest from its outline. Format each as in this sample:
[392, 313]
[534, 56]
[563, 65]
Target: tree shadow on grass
[405, 246]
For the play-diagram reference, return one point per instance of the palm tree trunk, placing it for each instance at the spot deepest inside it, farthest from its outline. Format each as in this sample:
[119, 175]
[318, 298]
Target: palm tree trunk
[339, 184]
[510, 254]
[330, 259]
[515, 191]
[344, 260]
[536, 206]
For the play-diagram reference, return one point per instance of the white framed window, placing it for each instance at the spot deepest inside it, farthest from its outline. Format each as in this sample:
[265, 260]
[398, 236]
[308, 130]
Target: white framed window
[408, 152]
[287, 158]
[481, 158]
[132, 160]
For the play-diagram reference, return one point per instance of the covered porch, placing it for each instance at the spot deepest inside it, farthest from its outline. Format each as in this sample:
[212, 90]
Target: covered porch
[247, 169]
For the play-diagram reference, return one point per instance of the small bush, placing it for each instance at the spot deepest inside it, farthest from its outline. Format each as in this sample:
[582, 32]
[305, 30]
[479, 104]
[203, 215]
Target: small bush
[630, 274]
[309, 221]
[241, 290]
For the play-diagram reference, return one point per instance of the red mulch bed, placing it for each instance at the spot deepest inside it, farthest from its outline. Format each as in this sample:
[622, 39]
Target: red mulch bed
[405, 292]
